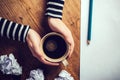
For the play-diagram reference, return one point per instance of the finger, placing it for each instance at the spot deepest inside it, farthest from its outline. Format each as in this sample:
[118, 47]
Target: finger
[49, 63]
[71, 48]
[39, 56]
[42, 59]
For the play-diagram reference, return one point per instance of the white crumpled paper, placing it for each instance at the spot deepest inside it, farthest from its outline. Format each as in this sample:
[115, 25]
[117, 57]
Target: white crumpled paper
[9, 65]
[64, 75]
[36, 75]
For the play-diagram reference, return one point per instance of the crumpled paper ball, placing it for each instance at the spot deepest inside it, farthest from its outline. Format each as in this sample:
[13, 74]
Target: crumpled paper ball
[36, 75]
[64, 75]
[9, 65]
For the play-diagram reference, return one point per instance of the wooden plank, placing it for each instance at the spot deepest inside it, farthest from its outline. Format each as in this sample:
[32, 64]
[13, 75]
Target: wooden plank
[32, 12]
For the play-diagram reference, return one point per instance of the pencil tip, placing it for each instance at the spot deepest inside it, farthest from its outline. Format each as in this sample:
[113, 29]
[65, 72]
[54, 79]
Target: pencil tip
[88, 42]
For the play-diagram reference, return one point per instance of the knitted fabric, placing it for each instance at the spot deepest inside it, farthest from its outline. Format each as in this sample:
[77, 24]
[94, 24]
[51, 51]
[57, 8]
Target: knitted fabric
[13, 30]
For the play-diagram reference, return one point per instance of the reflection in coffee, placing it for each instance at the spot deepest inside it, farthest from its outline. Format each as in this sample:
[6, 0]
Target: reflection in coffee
[54, 46]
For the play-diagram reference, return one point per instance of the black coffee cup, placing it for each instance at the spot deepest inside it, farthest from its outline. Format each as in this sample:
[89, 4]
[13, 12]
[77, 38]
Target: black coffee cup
[55, 48]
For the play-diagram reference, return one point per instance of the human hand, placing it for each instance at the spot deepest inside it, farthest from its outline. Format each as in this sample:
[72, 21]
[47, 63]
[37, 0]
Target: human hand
[58, 26]
[33, 40]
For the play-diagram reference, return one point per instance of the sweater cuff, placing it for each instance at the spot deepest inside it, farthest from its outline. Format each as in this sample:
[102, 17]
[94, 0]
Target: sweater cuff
[55, 8]
[13, 30]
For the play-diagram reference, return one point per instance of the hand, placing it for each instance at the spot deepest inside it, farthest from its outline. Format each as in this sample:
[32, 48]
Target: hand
[58, 26]
[33, 39]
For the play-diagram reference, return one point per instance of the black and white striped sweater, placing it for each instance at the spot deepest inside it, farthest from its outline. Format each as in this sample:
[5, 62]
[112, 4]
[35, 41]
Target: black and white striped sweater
[55, 8]
[18, 32]
[13, 30]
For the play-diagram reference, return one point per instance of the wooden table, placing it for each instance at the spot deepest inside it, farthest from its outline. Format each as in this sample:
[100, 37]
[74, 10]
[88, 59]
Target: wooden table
[32, 12]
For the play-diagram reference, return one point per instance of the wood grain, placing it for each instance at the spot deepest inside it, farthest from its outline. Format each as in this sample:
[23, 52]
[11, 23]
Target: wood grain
[32, 12]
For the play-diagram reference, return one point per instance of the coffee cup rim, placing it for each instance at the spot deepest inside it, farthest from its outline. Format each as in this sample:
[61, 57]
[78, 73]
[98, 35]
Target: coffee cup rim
[51, 59]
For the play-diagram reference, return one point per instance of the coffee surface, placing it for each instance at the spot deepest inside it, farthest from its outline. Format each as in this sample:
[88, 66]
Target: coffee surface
[54, 46]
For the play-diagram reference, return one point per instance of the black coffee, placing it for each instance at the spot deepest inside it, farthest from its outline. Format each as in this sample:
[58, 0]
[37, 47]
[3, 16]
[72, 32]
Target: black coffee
[54, 46]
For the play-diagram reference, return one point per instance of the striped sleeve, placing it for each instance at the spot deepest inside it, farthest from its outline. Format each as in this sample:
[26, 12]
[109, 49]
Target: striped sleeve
[13, 30]
[55, 8]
